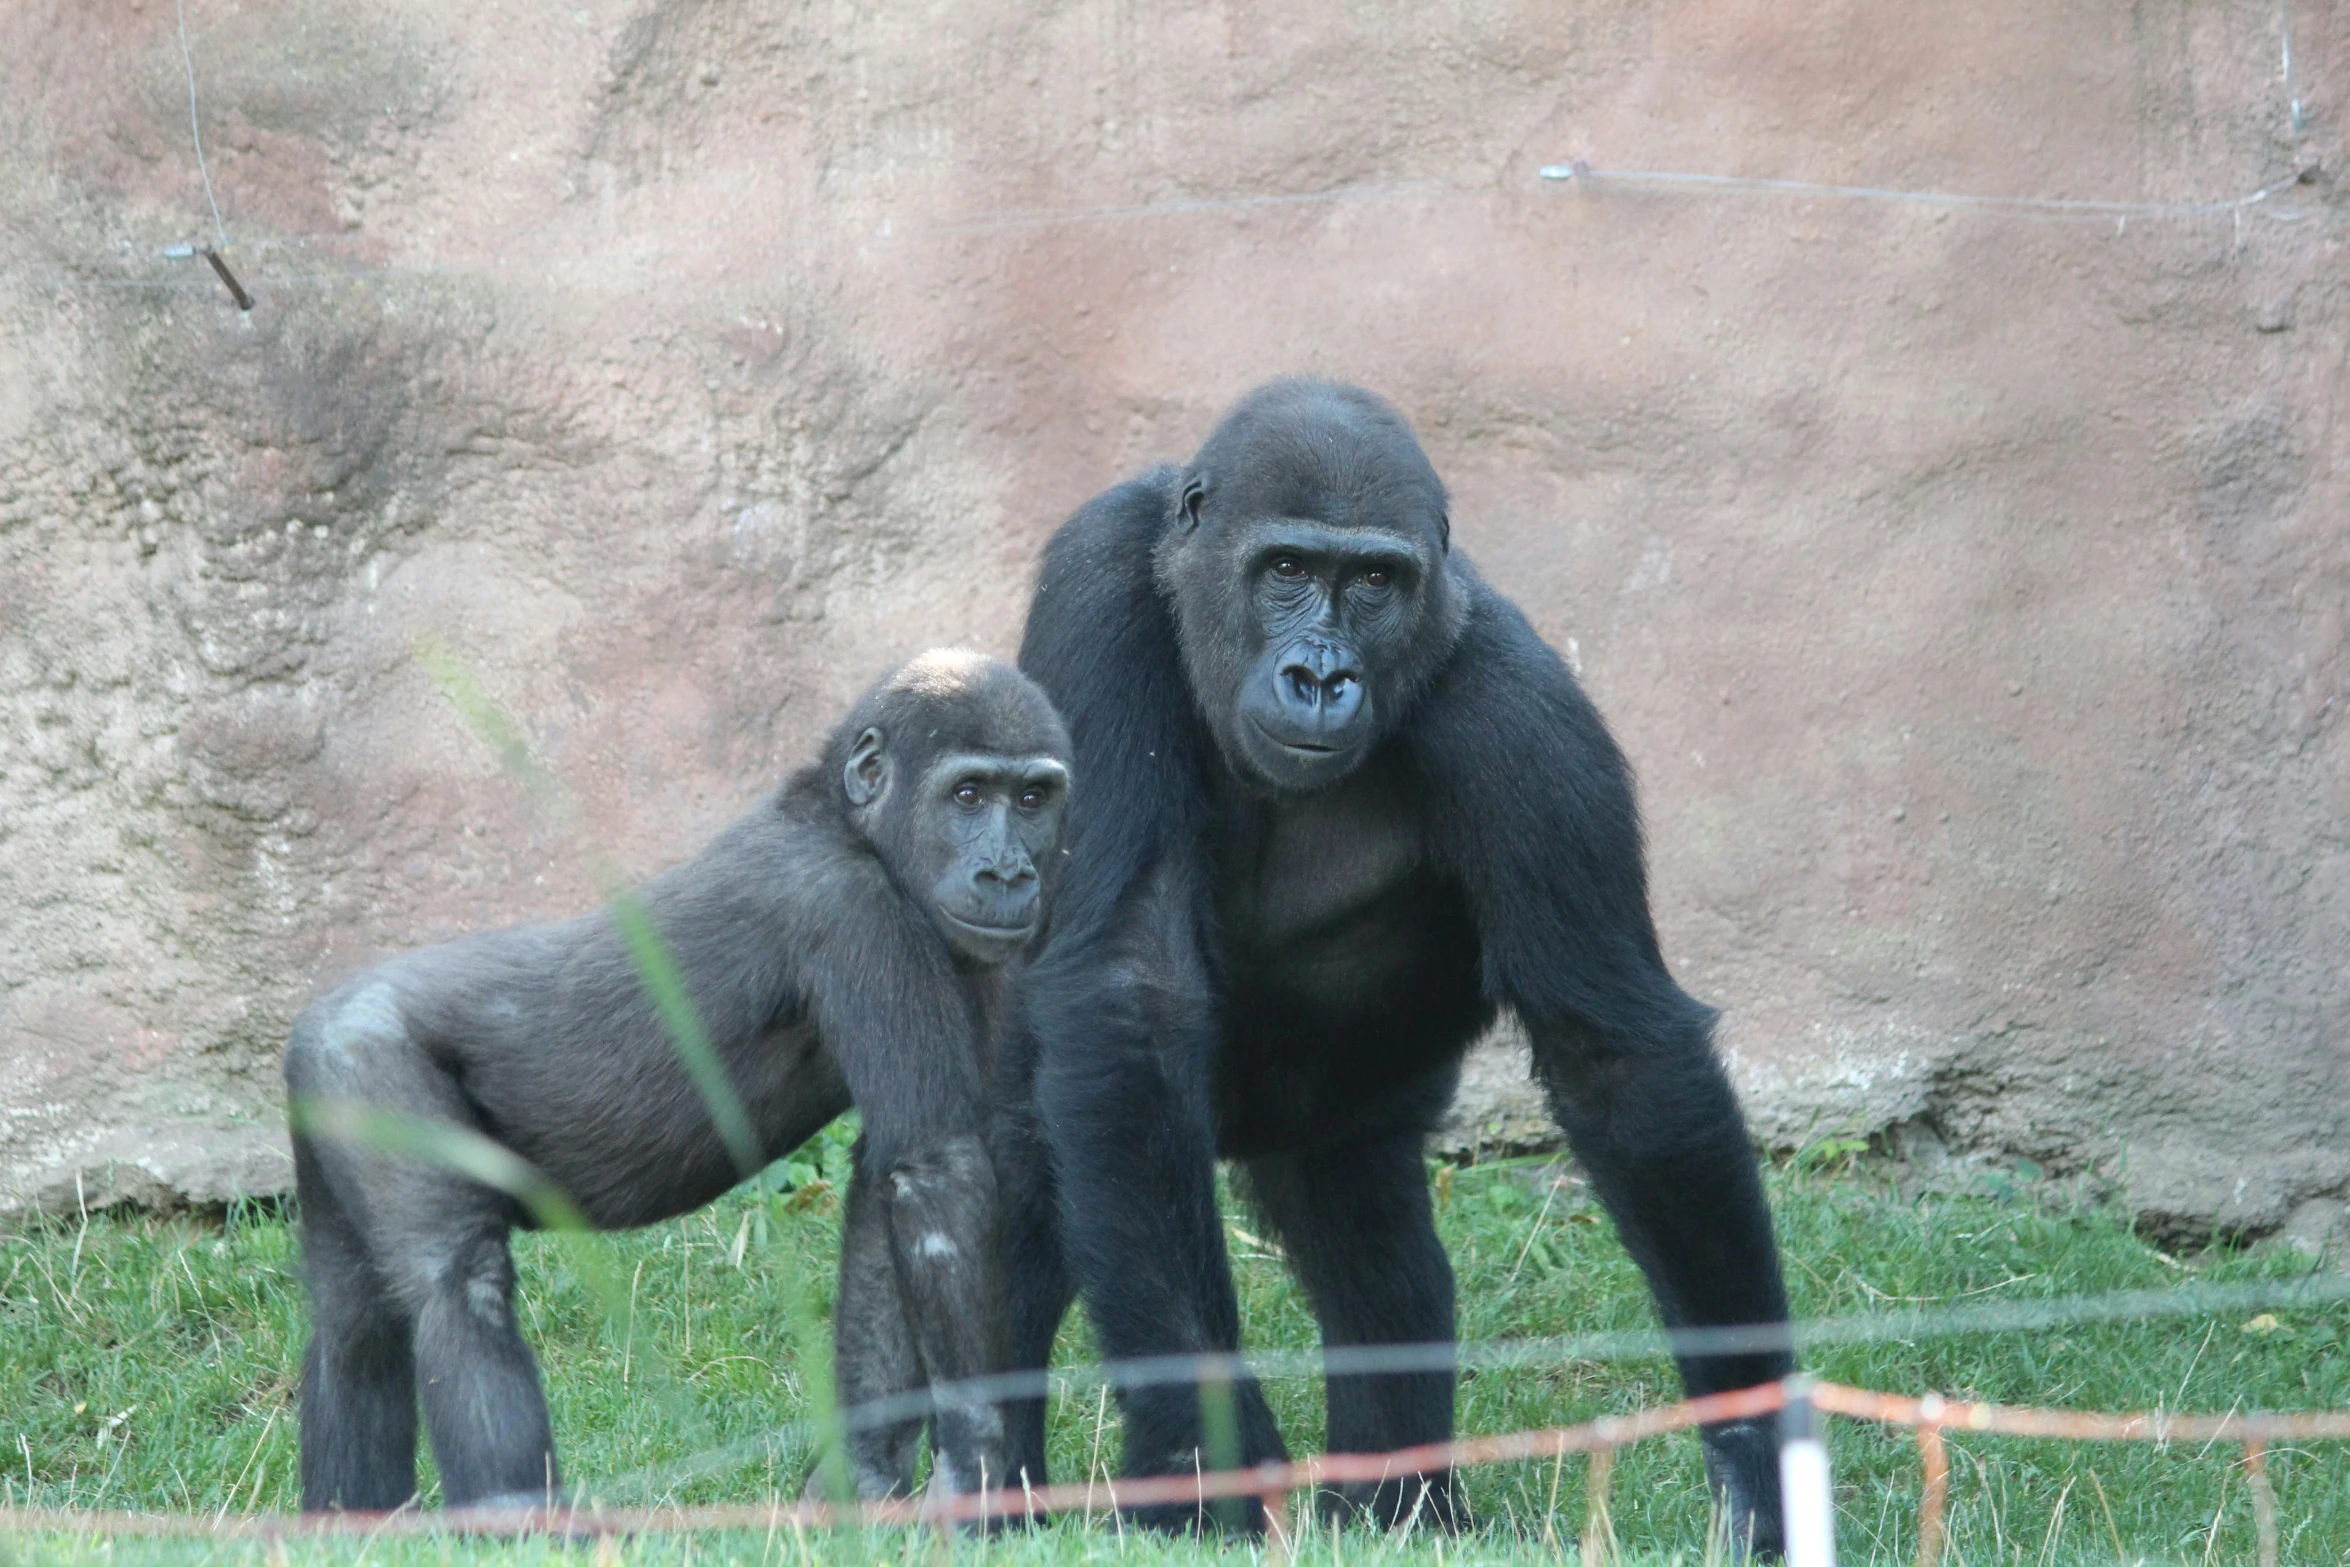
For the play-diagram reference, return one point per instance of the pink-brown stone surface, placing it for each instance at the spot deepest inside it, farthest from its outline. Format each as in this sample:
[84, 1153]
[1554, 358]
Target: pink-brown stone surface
[1969, 581]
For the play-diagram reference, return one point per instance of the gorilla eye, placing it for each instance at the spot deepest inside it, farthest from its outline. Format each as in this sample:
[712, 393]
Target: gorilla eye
[966, 793]
[1288, 566]
[1031, 798]
[1377, 576]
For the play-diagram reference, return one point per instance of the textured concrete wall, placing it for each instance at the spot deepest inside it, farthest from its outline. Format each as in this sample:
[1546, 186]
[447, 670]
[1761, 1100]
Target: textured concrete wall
[1967, 581]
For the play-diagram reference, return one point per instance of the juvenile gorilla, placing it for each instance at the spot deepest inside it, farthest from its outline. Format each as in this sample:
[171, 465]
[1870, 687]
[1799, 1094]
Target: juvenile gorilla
[842, 943]
[1341, 806]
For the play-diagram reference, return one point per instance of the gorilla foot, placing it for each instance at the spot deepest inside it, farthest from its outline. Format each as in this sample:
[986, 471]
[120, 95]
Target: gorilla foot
[1408, 1503]
[555, 1516]
[1228, 1515]
[1742, 1461]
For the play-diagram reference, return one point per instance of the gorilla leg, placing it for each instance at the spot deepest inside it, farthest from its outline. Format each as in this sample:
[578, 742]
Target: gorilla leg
[942, 1231]
[874, 1354]
[482, 1402]
[1655, 1124]
[446, 1259]
[1038, 1288]
[358, 1375]
[436, 1247]
[1356, 1223]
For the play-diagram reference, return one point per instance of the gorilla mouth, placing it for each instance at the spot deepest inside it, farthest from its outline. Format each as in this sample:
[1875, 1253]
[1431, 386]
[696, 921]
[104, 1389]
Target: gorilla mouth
[979, 929]
[1302, 747]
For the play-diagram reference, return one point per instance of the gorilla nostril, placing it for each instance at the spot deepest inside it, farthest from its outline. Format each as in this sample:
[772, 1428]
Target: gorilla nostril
[1304, 685]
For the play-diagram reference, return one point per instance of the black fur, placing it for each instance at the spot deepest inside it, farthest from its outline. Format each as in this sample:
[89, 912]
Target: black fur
[841, 944]
[1293, 904]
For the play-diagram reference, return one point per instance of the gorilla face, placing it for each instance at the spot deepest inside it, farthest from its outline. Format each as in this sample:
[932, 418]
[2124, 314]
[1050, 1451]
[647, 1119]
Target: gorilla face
[1309, 570]
[1329, 606]
[985, 826]
[971, 836]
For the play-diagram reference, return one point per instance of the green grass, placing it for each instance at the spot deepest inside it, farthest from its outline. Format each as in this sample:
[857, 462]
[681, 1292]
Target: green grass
[149, 1364]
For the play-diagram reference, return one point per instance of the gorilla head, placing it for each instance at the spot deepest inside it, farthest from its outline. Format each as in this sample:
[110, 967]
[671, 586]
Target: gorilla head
[951, 767]
[1310, 569]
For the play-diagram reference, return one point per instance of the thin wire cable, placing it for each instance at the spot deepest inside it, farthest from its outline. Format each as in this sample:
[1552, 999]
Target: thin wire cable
[219, 229]
[2120, 1306]
[2047, 206]
[1003, 219]
[1268, 1480]
[983, 221]
[1025, 219]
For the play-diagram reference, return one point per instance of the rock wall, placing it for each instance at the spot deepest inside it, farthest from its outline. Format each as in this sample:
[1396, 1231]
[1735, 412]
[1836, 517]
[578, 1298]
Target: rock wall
[1967, 578]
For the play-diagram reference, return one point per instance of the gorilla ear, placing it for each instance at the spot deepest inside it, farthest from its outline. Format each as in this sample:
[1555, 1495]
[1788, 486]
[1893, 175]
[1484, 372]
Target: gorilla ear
[1444, 531]
[867, 772]
[1195, 494]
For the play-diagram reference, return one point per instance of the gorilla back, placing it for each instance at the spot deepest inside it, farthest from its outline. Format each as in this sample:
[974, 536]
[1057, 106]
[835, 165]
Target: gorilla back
[839, 944]
[1342, 805]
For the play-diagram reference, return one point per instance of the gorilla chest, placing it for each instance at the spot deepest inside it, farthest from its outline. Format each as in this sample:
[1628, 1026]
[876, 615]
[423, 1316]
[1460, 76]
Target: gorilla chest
[1348, 966]
[1303, 871]
[1331, 917]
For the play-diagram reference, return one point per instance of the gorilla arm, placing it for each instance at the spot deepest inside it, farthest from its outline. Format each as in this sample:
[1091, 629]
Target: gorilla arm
[1537, 818]
[921, 1298]
[1133, 1215]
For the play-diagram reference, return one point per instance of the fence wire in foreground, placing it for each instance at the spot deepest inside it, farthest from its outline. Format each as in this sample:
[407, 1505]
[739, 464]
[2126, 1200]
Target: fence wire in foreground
[1906, 1326]
[1930, 1416]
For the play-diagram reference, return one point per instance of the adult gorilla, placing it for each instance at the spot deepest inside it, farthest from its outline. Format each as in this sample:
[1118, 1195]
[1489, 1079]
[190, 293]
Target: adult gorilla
[1341, 806]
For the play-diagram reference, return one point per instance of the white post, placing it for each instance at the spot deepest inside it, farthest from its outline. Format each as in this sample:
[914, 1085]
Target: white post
[1804, 1490]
